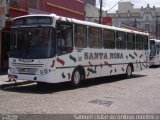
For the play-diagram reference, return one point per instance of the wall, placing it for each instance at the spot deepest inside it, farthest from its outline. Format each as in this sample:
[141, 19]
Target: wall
[67, 8]
[71, 8]
[124, 7]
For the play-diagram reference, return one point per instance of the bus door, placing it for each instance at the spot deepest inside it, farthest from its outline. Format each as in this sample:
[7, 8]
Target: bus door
[64, 35]
[158, 49]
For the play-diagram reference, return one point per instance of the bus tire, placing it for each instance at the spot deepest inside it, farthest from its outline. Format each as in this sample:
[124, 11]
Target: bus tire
[76, 78]
[129, 71]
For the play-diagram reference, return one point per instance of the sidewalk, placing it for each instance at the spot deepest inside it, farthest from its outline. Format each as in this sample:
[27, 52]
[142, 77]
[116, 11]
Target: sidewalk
[4, 82]
[3, 79]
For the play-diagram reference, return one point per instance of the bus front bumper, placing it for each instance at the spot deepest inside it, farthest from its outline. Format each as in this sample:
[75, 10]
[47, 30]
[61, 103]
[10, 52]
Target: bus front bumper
[48, 78]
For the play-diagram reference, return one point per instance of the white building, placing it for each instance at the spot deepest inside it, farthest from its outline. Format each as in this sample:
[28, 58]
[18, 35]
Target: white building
[146, 19]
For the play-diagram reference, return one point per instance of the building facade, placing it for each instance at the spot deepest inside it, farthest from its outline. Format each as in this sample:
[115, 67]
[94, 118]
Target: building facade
[14, 8]
[146, 19]
[91, 2]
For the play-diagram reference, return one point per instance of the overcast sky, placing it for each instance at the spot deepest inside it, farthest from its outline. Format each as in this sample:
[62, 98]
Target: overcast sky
[107, 4]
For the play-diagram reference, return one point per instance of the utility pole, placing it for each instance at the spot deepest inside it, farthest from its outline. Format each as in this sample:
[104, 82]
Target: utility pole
[100, 12]
[85, 9]
[135, 23]
[157, 26]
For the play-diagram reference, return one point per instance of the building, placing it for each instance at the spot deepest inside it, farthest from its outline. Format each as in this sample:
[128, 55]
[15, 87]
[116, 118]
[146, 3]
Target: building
[92, 15]
[91, 2]
[13, 8]
[59, 7]
[144, 18]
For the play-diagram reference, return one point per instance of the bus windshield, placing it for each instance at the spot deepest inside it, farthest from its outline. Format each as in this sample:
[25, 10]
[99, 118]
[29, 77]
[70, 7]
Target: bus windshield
[32, 42]
[152, 48]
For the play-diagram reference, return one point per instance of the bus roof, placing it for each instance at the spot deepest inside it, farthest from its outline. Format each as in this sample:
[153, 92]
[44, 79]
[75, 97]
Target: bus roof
[84, 23]
[156, 40]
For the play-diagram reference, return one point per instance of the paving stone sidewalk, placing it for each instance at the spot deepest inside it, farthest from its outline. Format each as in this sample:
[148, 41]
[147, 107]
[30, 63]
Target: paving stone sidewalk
[3, 79]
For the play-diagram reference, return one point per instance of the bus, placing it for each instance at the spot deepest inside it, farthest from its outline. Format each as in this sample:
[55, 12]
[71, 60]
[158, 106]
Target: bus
[154, 52]
[76, 50]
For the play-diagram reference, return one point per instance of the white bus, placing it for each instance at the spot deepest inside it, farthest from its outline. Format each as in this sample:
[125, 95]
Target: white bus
[75, 50]
[154, 52]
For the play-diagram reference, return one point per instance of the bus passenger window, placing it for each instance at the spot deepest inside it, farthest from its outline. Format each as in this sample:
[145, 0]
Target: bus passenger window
[120, 40]
[158, 48]
[80, 36]
[145, 42]
[108, 39]
[130, 41]
[139, 42]
[94, 37]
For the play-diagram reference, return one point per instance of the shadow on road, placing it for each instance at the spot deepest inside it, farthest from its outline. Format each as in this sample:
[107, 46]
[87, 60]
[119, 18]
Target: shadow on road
[155, 66]
[30, 87]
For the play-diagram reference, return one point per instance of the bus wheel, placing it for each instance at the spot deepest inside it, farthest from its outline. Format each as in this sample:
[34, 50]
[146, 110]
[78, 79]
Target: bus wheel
[76, 79]
[129, 71]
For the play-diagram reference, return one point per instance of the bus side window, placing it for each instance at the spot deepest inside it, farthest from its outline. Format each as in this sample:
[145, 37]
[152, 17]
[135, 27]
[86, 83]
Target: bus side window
[64, 38]
[158, 48]
[139, 42]
[120, 40]
[80, 36]
[130, 41]
[108, 39]
[95, 37]
[145, 42]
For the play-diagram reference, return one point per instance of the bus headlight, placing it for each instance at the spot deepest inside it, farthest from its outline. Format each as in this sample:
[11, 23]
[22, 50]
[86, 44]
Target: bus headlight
[45, 71]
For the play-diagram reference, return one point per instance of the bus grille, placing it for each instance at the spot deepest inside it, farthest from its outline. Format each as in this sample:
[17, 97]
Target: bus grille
[27, 65]
[31, 71]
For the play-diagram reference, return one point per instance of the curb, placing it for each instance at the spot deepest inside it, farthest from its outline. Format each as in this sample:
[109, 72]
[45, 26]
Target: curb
[14, 83]
[4, 82]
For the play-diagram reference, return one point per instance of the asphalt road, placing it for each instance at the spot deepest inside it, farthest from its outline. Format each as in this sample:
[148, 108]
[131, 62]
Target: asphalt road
[109, 95]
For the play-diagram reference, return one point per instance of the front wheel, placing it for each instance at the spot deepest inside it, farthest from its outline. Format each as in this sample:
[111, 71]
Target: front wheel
[76, 79]
[128, 71]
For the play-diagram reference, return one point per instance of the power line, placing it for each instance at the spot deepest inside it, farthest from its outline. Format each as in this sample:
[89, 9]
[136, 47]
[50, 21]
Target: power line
[113, 6]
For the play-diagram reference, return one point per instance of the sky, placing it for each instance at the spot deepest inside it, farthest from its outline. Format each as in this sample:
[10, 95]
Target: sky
[108, 4]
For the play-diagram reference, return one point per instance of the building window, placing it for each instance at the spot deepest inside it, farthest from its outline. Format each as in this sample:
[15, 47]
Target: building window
[80, 36]
[130, 41]
[14, 3]
[139, 42]
[147, 26]
[120, 40]
[34, 3]
[108, 39]
[95, 37]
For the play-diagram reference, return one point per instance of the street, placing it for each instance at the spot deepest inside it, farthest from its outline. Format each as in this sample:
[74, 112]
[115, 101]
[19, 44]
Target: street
[115, 95]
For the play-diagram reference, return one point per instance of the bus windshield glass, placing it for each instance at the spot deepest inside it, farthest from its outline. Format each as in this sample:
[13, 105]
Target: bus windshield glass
[152, 48]
[32, 42]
